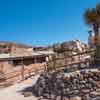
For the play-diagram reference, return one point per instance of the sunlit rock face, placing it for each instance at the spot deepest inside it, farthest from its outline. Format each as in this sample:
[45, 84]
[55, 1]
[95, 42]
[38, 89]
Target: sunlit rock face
[69, 48]
[74, 45]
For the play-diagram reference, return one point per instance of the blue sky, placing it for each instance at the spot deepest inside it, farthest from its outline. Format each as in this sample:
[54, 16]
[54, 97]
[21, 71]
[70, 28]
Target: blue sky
[43, 22]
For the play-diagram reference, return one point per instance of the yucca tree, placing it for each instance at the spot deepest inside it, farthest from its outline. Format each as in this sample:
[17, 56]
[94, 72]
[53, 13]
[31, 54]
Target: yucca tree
[98, 11]
[92, 18]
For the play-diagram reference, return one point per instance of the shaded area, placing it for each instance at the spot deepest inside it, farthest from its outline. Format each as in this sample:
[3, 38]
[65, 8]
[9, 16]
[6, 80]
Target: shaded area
[28, 91]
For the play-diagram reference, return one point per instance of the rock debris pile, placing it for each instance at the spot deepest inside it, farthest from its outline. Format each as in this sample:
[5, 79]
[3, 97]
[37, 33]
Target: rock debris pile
[57, 86]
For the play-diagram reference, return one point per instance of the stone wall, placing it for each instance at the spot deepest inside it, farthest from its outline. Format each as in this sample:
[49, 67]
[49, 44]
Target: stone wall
[82, 85]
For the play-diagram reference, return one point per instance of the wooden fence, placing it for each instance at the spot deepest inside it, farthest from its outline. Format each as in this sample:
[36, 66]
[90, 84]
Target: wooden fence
[67, 61]
[16, 76]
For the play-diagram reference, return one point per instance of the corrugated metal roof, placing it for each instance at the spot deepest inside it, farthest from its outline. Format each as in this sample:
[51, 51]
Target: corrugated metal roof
[46, 52]
[4, 55]
[38, 53]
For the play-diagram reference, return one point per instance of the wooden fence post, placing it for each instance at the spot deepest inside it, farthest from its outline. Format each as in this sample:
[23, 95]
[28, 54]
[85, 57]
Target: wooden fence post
[54, 62]
[22, 70]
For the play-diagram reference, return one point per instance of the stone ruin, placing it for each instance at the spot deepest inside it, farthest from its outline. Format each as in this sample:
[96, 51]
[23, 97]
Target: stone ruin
[59, 86]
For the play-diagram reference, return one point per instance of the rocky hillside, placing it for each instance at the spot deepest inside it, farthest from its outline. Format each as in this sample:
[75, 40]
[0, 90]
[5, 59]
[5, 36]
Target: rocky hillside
[72, 46]
[9, 47]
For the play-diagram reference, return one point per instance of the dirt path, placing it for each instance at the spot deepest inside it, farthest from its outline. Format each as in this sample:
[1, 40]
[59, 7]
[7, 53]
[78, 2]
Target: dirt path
[12, 92]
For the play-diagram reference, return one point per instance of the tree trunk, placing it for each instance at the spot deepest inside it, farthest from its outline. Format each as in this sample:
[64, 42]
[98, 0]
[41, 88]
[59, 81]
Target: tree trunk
[96, 31]
[97, 46]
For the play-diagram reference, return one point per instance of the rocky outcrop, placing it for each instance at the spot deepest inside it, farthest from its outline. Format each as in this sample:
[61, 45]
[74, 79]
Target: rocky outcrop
[74, 45]
[63, 54]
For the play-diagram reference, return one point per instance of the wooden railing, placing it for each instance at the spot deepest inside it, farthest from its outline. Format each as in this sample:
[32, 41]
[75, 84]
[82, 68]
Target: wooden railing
[16, 76]
[52, 64]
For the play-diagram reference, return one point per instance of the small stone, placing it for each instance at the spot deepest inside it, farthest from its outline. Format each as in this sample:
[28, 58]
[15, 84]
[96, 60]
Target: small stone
[65, 98]
[85, 91]
[46, 96]
[40, 91]
[52, 97]
[76, 98]
[58, 98]
[27, 94]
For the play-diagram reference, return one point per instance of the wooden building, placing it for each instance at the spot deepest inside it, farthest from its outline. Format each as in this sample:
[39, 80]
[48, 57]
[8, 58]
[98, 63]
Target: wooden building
[9, 63]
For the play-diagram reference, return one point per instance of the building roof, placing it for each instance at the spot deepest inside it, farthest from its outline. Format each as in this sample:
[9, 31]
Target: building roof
[25, 55]
[4, 56]
[46, 52]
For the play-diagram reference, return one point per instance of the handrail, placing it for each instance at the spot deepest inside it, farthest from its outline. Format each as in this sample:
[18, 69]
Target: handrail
[70, 56]
[26, 71]
[52, 64]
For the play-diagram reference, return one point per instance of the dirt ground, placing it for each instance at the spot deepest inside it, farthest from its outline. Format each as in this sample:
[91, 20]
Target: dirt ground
[14, 92]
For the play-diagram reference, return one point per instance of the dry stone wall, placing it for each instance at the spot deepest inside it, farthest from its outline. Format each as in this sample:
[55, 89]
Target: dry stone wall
[80, 86]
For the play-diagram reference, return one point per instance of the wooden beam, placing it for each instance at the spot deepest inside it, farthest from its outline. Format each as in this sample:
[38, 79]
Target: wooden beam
[22, 70]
